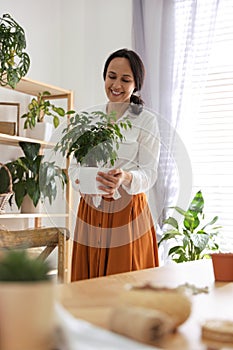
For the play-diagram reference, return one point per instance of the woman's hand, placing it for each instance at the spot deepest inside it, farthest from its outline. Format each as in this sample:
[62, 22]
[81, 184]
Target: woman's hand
[112, 180]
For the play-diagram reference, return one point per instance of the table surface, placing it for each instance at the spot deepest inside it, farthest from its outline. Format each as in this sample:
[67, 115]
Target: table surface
[92, 300]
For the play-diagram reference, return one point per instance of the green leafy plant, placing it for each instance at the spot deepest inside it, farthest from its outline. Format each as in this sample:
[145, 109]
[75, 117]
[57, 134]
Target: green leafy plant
[14, 61]
[40, 107]
[195, 238]
[17, 266]
[91, 143]
[5, 180]
[34, 177]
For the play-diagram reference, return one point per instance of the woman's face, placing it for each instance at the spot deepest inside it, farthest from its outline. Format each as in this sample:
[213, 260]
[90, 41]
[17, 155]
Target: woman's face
[119, 81]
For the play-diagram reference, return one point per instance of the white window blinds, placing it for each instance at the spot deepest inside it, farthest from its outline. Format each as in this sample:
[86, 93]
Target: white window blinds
[211, 149]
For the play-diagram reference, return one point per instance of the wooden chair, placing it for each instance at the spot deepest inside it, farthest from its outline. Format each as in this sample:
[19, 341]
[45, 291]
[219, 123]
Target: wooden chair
[49, 238]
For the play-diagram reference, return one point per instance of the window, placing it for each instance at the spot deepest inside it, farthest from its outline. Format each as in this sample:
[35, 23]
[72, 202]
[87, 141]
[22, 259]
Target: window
[211, 149]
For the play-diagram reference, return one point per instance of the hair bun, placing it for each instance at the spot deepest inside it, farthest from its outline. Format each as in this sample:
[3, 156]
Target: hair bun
[135, 108]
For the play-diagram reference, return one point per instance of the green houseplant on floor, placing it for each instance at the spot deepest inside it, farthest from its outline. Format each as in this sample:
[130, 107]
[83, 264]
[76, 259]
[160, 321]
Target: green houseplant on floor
[26, 302]
[195, 239]
[14, 61]
[34, 177]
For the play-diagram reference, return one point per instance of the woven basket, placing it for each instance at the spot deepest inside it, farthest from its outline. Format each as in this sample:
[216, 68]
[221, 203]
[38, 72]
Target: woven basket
[5, 197]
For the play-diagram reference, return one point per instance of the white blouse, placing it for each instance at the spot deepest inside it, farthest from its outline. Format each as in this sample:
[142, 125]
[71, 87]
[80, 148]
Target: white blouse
[137, 154]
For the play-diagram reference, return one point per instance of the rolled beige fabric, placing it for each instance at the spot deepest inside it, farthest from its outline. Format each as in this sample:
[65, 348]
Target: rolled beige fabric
[142, 324]
[170, 302]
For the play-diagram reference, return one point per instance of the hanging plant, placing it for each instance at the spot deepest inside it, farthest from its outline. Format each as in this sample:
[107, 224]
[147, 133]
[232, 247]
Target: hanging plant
[14, 62]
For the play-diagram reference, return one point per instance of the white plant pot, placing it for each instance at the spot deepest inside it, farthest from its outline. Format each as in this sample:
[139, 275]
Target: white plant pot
[87, 180]
[27, 315]
[28, 206]
[41, 131]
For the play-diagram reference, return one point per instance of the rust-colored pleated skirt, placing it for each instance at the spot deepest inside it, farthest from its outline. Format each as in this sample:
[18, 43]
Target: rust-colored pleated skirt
[118, 236]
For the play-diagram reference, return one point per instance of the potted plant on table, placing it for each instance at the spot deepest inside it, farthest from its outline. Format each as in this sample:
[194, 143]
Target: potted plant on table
[14, 61]
[38, 109]
[196, 239]
[33, 177]
[93, 139]
[26, 302]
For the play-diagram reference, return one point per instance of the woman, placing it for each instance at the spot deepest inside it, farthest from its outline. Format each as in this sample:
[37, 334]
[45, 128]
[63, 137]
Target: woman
[116, 233]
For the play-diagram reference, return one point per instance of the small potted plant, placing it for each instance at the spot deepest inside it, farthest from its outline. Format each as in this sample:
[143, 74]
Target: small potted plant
[14, 61]
[33, 177]
[93, 139]
[26, 302]
[38, 109]
[223, 266]
[195, 238]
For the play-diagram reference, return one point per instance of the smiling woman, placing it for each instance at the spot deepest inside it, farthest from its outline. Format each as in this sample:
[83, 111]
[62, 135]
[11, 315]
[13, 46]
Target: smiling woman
[116, 233]
[119, 81]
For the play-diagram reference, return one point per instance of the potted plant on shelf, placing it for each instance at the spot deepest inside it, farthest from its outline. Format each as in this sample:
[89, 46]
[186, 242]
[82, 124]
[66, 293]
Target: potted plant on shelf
[14, 61]
[93, 139]
[38, 109]
[26, 302]
[195, 239]
[34, 178]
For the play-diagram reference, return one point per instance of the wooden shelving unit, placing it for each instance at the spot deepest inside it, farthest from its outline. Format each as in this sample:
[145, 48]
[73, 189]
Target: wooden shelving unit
[33, 88]
[30, 216]
[14, 141]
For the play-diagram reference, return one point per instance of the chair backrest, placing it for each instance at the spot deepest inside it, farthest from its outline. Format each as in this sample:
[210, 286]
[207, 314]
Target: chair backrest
[48, 237]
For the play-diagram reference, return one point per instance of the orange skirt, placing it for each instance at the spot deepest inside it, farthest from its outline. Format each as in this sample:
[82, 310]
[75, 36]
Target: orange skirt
[118, 236]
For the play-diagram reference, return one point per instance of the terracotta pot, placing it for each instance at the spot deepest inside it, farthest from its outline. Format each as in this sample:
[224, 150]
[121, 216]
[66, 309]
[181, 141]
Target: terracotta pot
[87, 178]
[26, 315]
[223, 266]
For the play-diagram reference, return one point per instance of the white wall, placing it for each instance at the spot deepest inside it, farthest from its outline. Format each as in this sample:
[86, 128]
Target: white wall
[92, 29]
[69, 40]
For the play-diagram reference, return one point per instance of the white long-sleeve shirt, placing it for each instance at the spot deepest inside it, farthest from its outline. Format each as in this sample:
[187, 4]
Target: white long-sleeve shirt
[138, 153]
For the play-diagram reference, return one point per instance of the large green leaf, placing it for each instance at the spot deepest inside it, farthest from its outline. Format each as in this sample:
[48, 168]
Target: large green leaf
[197, 203]
[31, 150]
[200, 240]
[33, 191]
[4, 180]
[211, 223]
[172, 221]
[191, 221]
[170, 234]
[20, 192]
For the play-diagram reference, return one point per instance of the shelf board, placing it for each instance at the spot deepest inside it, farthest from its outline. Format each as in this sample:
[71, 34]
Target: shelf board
[33, 87]
[30, 216]
[14, 141]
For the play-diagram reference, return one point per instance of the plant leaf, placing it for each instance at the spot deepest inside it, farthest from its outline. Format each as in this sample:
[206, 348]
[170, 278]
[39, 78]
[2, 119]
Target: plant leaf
[31, 150]
[197, 203]
[172, 221]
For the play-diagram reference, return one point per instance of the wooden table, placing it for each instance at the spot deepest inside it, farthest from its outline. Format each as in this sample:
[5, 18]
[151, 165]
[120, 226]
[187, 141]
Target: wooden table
[92, 299]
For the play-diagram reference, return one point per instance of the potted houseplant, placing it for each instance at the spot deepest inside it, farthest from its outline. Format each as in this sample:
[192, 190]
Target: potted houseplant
[14, 61]
[26, 302]
[195, 238]
[38, 109]
[33, 177]
[223, 266]
[93, 139]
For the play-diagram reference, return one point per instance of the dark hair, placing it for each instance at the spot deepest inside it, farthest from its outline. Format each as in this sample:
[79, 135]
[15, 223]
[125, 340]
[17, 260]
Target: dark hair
[137, 68]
